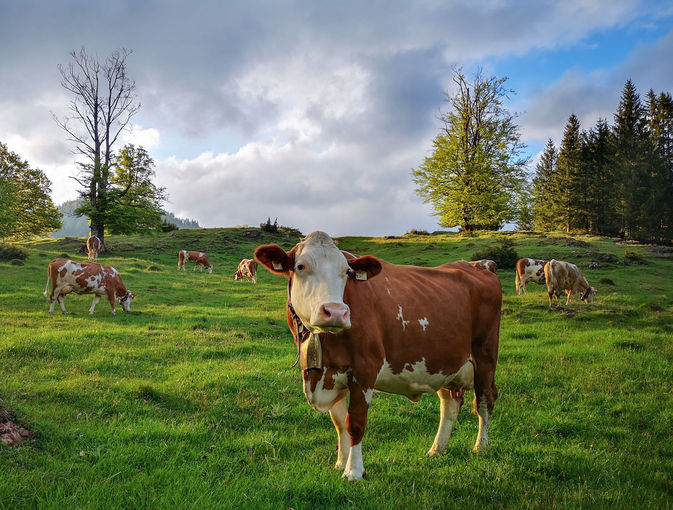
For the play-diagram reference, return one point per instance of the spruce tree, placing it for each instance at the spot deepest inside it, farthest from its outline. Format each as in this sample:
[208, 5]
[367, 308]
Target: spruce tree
[597, 163]
[546, 200]
[659, 207]
[569, 178]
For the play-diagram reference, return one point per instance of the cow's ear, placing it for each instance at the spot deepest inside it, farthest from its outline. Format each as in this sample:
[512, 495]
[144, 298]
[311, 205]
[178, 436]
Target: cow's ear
[365, 267]
[274, 258]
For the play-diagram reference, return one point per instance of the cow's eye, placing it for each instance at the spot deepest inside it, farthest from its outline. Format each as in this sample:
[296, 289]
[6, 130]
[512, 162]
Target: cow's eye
[300, 267]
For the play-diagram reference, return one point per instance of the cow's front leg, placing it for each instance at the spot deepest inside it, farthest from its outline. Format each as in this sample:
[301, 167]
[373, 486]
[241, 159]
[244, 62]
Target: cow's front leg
[338, 413]
[96, 299]
[450, 404]
[356, 422]
[61, 304]
[111, 299]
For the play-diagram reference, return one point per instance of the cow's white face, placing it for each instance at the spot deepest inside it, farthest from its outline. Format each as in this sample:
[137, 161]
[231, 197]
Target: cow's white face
[318, 271]
[125, 301]
[209, 269]
[588, 296]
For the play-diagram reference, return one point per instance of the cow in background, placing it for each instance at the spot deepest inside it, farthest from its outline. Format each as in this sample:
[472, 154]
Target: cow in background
[247, 268]
[485, 265]
[362, 324]
[67, 276]
[564, 276]
[197, 257]
[529, 270]
[93, 247]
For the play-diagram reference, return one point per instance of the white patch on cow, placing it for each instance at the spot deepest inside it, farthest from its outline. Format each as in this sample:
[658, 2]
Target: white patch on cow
[388, 290]
[368, 394]
[201, 254]
[355, 468]
[321, 399]
[400, 317]
[415, 379]
[484, 425]
[424, 323]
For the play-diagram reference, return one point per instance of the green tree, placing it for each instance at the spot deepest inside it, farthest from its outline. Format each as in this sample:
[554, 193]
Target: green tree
[476, 170]
[134, 203]
[547, 204]
[103, 102]
[631, 160]
[570, 179]
[597, 157]
[27, 209]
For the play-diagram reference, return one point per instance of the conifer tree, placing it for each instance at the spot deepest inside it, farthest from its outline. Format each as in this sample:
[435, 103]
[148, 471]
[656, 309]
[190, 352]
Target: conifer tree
[658, 209]
[597, 164]
[546, 200]
[569, 180]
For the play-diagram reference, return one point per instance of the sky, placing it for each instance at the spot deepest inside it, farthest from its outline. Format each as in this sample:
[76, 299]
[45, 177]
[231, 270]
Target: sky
[315, 112]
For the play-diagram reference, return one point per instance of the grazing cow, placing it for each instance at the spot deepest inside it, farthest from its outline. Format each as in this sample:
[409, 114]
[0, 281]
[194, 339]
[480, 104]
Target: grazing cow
[362, 324]
[93, 247]
[564, 276]
[198, 257]
[485, 265]
[247, 268]
[67, 276]
[529, 270]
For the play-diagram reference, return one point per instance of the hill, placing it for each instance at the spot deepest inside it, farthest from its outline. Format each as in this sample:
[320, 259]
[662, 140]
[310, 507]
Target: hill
[78, 226]
[191, 397]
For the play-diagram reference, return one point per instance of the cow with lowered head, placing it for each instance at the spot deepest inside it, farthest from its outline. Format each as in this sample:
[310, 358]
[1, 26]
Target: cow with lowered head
[362, 324]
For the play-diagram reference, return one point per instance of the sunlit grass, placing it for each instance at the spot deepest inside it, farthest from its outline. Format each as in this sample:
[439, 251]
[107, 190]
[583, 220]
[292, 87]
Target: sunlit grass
[190, 401]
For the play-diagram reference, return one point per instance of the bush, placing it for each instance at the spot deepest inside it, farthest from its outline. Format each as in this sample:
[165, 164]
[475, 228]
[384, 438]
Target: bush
[268, 226]
[153, 267]
[606, 281]
[8, 252]
[504, 254]
[633, 256]
[168, 227]
[416, 232]
[16, 262]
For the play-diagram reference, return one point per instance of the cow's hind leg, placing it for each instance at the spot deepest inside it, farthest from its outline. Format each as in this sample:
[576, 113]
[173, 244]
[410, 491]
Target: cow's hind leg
[448, 413]
[485, 352]
[338, 413]
[96, 299]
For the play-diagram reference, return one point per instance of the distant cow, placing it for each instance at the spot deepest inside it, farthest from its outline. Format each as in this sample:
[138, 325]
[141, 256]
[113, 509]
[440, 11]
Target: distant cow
[197, 257]
[67, 276]
[362, 324]
[93, 247]
[247, 268]
[485, 265]
[529, 270]
[564, 276]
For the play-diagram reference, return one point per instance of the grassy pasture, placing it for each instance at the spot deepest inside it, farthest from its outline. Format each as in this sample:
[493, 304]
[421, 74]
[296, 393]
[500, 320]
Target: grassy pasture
[189, 401]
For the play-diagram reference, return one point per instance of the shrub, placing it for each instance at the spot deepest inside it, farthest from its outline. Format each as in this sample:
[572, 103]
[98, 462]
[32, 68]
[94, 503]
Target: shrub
[504, 254]
[416, 232]
[168, 227]
[153, 267]
[8, 252]
[606, 281]
[268, 226]
[633, 256]
[16, 262]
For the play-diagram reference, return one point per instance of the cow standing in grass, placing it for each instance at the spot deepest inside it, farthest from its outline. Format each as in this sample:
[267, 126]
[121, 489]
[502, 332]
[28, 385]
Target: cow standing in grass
[247, 269]
[529, 270]
[67, 276]
[197, 257]
[564, 276]
[362, 324]
[93, 247]
[485, 265]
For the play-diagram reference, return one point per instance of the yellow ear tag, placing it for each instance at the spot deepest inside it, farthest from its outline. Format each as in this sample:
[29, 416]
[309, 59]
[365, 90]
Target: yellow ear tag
[361, 275]
[277, 266]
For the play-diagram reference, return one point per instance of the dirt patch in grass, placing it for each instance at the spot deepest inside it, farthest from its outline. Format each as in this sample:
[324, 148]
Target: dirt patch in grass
[12, 434]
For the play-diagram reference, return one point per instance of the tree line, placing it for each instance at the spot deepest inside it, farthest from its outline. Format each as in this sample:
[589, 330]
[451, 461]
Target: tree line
[614, 179]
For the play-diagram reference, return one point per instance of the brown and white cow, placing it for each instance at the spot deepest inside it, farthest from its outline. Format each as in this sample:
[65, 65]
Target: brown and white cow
[529, 270]
[485, 265]
[247, 269]
[363, 324]
[67, 276]
[93, 247]
[197, 257]
[564, 276]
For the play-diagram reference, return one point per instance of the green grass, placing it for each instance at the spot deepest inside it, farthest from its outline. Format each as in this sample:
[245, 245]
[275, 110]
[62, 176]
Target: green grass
[189, 401]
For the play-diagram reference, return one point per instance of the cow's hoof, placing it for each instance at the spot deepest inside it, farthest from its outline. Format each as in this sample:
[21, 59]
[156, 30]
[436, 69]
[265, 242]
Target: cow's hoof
[434, 452]
[64, 313]
[114, 313]
[353, 476]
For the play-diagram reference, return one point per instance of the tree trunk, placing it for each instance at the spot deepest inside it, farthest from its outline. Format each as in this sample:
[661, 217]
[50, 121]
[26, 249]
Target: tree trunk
[98, 230]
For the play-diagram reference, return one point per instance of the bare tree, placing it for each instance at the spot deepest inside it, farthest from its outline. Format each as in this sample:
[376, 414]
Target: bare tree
[104, 100]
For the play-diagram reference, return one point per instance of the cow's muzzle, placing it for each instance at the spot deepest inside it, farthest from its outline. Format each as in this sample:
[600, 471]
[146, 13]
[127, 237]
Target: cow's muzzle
[332, 317]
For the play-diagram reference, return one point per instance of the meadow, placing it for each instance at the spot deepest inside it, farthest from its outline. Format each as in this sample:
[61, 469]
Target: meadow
[190, 401]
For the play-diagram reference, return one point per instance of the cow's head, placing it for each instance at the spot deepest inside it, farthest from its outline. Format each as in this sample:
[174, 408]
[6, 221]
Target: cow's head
[209, 269]
[588, 295]
[126, 299]
[318, 272]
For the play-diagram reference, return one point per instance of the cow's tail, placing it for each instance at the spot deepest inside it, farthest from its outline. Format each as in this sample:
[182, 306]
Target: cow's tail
[46, 287]
[517, 281]
[551, 279]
